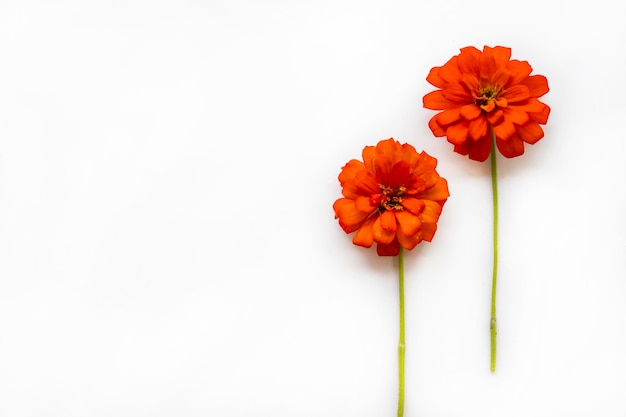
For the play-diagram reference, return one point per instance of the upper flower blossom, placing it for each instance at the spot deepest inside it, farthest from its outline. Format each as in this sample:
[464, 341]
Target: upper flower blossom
[394, 197]
[481, 91]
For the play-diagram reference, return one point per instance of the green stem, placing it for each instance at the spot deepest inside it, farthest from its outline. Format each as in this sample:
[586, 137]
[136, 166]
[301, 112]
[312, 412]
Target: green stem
[401, 345]
[494, 187]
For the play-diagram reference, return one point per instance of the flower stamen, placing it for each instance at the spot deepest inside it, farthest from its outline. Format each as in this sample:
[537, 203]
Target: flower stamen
[487, 97]
[391, 198]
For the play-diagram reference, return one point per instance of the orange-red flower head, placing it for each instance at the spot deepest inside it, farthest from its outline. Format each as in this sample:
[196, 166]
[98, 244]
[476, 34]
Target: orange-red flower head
[481, 91]
[394, 197]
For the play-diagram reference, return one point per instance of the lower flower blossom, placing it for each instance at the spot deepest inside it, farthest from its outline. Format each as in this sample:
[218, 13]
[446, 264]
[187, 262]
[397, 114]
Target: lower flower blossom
[393, 197]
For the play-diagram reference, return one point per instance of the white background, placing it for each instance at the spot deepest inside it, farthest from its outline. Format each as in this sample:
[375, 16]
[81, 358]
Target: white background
[168, 246]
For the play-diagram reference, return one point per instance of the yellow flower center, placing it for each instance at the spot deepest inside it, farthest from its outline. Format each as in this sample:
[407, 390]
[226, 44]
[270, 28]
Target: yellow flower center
[488, 97]
[391, 198]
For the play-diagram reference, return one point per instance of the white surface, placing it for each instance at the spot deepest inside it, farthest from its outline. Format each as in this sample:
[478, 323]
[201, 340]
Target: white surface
[167, 242]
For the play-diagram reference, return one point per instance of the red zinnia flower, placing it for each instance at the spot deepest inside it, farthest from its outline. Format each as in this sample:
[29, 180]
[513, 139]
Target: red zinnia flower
[483, 93]
[394, 197]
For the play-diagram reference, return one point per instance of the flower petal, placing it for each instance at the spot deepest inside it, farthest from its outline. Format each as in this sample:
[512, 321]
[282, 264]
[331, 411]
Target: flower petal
[439, 192]
[486, 64]
[515, 115]
[428, 231]
[364, 204]
[424, 174]
[511, 147]
[388, 221]
[383, 165]
[365, 235]
[501, 54]
[413, 205]
[400, 174]
[434, 78]
[382, 235]
[477, 150]
[349, 170]
[468, 60]
[409, 223]
[408, 242]
[424, 164]
[530, 132]
[470, 80]
[457, 94]
[489, 106]
[500, 77]
[350, 219]
[369, 154]
[478, 128]
[470, 111]
[537, 85]
[391, 249]
[542, 117]
[449, 116]
[532, 105]
[504, 130]
[416, 184]
[435, 100]
[450, 72]
[516, 93]
[431, 212]
[407, 153]
[388, 147]
[435, 127]
[519, 71]
[364, 183]
[495, 117]
[457, 133]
